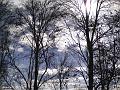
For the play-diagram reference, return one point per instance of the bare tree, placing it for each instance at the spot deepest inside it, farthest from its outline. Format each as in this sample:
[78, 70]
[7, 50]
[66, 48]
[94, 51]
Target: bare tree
[88, 24]
[39, 19]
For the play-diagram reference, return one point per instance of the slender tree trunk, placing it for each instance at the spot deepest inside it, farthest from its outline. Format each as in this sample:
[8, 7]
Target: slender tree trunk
[90, 64]
[108, 86]
[36, 66]
[90, 69]
[90, 53]
[60, 81]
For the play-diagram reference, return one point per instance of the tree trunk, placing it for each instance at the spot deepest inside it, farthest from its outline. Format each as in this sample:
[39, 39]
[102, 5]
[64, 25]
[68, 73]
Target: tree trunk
[60, 81]
[90, 66]
[36, 66]
[108, 86]
[90, 53]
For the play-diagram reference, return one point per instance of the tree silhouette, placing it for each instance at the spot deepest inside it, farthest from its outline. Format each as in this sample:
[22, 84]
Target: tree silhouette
[89, 27]
[39, 19]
